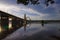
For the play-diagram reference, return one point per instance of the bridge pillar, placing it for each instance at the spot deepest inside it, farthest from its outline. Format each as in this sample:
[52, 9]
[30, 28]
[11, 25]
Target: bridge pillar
[4, 21]
[25, 22]
[10, 23]
[0, 23]
[21, 22]
[16, 22]
[25, 19]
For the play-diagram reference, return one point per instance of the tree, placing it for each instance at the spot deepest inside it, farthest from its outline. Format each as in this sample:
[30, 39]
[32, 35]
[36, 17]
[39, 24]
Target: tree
[26, 2]
[34, 2]
[49, 1]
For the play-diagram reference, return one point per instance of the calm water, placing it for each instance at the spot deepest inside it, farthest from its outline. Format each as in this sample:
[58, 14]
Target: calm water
[35, 31]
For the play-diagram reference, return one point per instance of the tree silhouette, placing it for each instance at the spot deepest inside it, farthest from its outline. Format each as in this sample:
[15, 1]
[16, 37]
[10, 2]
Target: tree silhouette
[34, 2]
[49, 1]
[26, 2]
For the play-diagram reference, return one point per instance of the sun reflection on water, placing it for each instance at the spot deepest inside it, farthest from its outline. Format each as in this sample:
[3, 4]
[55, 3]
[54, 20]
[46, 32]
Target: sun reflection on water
[1, 29]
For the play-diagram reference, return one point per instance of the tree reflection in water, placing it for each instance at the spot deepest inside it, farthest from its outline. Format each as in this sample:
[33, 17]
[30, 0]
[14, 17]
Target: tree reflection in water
[42, 22]
[25, 27]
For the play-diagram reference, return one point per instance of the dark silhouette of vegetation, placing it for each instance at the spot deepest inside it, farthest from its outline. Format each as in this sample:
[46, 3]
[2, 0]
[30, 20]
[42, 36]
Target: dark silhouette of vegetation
[49, 1]
[34, 2]
[26, 2]
[42, 22]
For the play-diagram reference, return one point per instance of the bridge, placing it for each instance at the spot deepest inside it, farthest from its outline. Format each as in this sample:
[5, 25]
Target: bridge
[9, 23]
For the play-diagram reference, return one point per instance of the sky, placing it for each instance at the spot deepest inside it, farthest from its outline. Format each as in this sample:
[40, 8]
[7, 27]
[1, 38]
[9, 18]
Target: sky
[35, 12]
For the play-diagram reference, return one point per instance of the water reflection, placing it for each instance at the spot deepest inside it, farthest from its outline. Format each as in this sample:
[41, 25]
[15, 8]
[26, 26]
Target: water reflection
[35, 31]
[42, 24]
[49, 32]
[0, 29]
[25, 25]
[6, 30]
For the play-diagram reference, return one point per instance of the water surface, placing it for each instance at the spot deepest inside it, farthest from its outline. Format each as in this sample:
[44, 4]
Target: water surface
[35, 31]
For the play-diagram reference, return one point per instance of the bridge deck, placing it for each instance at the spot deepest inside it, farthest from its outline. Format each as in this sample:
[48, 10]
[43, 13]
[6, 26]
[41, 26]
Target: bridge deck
[9, 23]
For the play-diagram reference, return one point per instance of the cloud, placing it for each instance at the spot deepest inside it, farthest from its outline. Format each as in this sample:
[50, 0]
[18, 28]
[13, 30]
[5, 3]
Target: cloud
[21, 10]
[35, 12]
[57, 8]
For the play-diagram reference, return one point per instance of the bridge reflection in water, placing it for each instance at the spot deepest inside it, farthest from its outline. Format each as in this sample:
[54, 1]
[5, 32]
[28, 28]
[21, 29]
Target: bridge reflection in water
[9, 23]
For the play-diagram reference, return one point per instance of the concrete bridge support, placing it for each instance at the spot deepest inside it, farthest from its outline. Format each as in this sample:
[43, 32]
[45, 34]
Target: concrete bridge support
[17, 22]
[4, 21]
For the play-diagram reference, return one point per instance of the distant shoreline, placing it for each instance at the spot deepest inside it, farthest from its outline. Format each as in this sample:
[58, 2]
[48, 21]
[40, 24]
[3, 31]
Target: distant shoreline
[45, 21]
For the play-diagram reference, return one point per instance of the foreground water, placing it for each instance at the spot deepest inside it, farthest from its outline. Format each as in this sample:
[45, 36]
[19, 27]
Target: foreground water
[35, 31]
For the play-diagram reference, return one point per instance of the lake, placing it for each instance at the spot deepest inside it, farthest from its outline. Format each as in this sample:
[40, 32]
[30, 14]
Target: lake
[36, 31]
